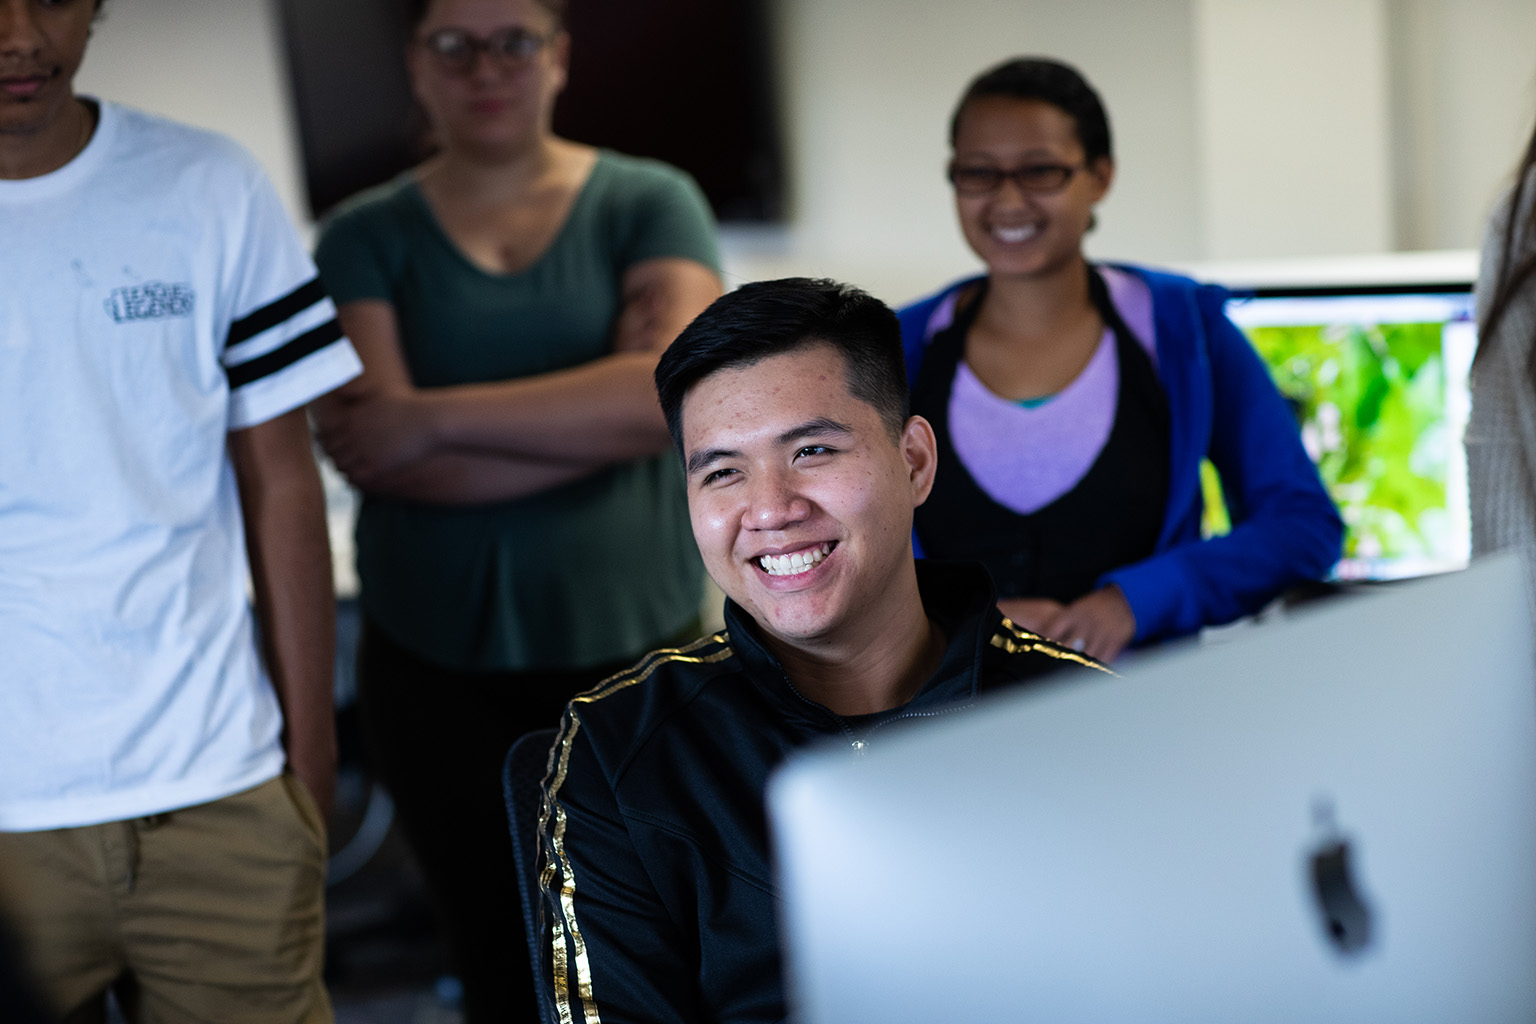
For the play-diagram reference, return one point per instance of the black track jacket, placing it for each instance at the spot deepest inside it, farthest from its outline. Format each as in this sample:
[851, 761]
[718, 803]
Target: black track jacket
[658, 901]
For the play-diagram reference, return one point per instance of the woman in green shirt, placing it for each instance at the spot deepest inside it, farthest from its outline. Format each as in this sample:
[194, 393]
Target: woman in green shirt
[524, 530]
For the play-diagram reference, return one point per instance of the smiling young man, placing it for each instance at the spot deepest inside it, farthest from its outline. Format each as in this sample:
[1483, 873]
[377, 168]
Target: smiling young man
[788, 403]
[164, 763]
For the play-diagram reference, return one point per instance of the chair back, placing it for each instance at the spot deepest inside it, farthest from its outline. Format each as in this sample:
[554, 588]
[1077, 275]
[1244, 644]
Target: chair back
[522, 779]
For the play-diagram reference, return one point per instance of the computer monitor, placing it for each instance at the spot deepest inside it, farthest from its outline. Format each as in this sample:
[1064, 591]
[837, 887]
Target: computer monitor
[1377, 375]
[1328, 818]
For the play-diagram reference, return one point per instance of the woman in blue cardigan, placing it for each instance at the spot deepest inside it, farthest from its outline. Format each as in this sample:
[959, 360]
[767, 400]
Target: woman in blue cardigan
[1074, 402]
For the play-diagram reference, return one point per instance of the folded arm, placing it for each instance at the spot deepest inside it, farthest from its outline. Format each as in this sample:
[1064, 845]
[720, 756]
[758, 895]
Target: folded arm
[504, 439]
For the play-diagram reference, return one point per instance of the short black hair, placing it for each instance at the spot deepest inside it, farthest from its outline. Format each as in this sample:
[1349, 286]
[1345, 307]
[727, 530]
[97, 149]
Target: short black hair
[769, 318]
[1049, 81]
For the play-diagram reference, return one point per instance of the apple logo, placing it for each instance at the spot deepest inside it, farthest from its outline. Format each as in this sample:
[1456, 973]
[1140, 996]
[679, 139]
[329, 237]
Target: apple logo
[1344, 913]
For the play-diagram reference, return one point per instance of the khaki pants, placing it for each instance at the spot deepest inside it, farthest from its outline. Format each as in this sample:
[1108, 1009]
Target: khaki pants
[215, 912]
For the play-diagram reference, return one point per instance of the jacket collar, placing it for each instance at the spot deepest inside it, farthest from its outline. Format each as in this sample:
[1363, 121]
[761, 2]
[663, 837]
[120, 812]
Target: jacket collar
[956, 595]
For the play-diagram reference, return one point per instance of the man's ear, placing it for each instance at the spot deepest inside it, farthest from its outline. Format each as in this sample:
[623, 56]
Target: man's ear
[921, 450]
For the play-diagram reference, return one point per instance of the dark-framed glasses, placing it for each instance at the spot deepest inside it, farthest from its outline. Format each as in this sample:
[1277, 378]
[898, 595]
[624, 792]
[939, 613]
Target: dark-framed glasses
[1039, 179]
[456, 50]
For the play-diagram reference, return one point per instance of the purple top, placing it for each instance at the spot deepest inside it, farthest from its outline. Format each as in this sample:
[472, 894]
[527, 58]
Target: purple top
[1026, 456]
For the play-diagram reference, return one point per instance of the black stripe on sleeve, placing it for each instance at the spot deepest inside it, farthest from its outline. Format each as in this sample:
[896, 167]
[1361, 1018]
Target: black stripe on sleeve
[275, 312]
[285, 356]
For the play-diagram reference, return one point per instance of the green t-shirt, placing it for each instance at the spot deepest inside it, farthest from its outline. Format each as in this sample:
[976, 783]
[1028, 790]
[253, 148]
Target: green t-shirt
[598, 570]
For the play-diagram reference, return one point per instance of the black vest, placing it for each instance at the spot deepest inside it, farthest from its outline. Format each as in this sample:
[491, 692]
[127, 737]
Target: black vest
[1112, 516]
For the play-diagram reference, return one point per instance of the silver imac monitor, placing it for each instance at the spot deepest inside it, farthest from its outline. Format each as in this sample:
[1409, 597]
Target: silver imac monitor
[1331, 818]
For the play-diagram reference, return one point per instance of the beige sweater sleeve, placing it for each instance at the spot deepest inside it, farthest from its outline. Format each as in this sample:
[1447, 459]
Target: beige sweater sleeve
[1501, 434]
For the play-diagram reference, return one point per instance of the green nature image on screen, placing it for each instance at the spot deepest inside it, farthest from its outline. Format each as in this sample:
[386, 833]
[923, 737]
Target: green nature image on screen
[1370, 401]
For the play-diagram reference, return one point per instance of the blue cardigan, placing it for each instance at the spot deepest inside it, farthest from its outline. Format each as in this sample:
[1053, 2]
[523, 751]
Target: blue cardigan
[1222, 405]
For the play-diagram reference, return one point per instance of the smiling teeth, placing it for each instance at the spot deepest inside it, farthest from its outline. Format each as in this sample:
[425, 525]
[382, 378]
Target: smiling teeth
[1013, 236]
[789, 565]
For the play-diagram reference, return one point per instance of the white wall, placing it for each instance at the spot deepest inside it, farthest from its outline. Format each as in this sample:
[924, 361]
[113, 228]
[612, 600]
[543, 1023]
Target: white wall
[869, 87]
[1449, 85]
[1294, 120]
[1245, 129]
[1465, 84]
[213, 63]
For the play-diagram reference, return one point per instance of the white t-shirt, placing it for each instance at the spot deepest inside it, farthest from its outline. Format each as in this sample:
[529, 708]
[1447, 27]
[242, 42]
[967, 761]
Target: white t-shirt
[154, 298]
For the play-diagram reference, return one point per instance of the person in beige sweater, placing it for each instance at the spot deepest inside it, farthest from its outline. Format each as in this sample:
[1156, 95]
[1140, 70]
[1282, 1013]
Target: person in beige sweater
[1501, 434]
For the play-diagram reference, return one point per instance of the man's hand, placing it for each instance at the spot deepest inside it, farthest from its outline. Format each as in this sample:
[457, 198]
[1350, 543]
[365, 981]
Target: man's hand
[313, 761]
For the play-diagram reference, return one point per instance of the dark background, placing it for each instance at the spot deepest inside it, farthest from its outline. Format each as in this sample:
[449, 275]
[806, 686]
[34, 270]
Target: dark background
[686, 81]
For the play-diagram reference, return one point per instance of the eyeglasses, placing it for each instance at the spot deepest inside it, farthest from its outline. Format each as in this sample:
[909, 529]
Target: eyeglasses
[1038, 179]
[457, 50]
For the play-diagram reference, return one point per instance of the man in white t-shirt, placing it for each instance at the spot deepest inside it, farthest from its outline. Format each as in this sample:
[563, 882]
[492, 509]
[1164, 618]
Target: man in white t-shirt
[165, 766]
